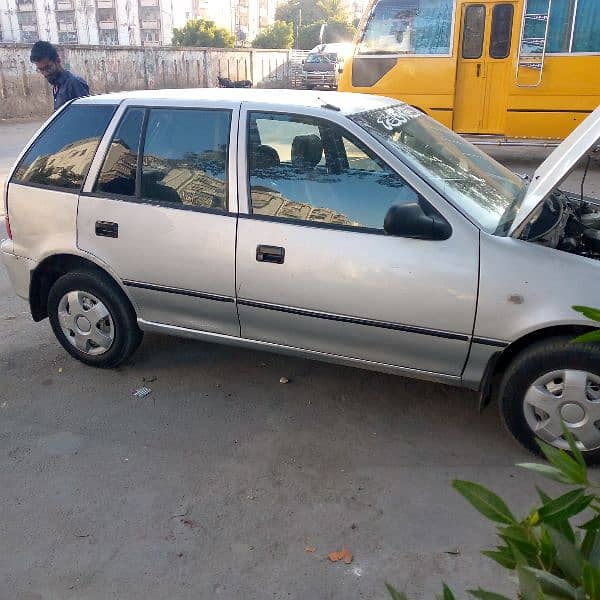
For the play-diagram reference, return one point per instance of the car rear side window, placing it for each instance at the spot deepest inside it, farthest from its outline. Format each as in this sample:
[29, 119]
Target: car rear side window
[185, 158]
[62, 154]
[118, 173]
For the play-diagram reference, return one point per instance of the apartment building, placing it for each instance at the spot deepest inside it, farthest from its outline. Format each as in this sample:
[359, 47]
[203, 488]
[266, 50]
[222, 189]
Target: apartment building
[108, 22]
[244, 18]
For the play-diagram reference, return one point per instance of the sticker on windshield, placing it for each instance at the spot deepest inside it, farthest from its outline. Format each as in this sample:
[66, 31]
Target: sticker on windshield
[397, 116]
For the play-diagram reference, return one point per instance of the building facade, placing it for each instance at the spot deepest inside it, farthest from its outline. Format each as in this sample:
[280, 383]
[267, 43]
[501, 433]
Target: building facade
[244, 18]
[104, 22]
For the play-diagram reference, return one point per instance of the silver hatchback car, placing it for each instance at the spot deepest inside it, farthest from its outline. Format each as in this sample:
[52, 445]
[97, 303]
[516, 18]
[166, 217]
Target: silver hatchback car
[341, 227]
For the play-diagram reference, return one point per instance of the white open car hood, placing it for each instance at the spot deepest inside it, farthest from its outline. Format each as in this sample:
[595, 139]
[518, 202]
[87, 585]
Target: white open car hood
[557, 167]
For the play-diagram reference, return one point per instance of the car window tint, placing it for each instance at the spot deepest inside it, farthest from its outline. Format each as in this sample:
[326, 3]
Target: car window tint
[62, 155]
[326, 176]
[185, 157]
[118, 172]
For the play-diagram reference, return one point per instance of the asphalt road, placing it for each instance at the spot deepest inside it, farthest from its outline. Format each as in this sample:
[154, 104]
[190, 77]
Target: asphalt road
[225, 483]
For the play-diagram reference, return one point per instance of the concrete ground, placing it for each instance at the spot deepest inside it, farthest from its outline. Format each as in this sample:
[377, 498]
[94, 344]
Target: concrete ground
[225, 483]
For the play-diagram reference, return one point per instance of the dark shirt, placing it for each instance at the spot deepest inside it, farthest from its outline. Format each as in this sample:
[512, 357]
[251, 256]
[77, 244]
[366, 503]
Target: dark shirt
[67, 88]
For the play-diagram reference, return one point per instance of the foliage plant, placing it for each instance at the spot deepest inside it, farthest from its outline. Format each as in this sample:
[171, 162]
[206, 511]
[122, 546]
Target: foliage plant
[278, 35]
[554, 550]
[202, 33]
[594, 315]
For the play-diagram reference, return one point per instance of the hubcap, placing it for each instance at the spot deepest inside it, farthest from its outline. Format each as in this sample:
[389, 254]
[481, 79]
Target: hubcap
[568, 395]
[86, 322]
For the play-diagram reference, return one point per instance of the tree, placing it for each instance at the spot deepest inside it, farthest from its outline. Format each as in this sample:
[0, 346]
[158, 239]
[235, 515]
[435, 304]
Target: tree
[333, 10]
[292, 10]
[279, 35]
[203, 33]
[336, 31]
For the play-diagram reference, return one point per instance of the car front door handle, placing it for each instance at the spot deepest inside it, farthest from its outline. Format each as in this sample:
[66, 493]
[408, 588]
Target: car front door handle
[270, 254]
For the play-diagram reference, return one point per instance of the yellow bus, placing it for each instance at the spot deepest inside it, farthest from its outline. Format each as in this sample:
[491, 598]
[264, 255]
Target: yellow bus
[512, 68]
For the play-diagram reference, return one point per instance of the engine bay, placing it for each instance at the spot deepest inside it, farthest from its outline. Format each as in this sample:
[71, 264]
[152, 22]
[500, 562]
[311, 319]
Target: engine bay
[568, 223]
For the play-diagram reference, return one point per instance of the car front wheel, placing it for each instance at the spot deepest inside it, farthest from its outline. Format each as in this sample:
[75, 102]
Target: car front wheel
[93, 319]
[550, 383]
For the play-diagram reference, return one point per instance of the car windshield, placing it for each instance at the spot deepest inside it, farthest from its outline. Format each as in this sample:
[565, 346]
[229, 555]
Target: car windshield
[321, 58]
[488, 193]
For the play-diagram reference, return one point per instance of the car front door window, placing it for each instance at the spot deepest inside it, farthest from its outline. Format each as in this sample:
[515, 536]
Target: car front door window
[314, 172]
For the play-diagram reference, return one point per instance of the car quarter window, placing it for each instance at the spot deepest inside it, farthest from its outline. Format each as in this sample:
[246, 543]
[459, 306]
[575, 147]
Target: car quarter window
[61, 156]
[312, 170]
[185, 158]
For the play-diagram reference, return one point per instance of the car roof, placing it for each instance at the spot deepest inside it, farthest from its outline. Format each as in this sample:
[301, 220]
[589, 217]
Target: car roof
[347, 103]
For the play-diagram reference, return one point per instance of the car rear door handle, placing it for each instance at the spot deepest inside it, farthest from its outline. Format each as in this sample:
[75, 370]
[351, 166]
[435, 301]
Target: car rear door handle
[270, 254]
[107, 229]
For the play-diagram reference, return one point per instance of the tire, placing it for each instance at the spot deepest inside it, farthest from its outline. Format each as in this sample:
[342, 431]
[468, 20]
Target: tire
[105, 334]
[533, 398]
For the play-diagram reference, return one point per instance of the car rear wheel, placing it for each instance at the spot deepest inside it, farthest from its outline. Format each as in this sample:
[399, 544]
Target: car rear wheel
[92, 319]
[551, 383]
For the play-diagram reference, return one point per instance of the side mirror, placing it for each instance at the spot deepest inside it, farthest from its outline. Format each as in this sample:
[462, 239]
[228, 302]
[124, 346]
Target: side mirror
[409, 220]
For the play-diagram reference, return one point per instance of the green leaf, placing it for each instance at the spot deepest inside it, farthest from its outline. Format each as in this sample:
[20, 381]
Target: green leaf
[529, 586]
[574, 449]
[592, 337]
[565, 506]
[520, 538]
[547, 471]
[543, 496]
[547, 549]
[557, 586]
[568, 557]
[486, 502]
[590, 313]
[570, 467]
[483, 595]
[521, 560]
[591, 581]
[592, 523]
[503, 556]
[394, 593]
[448, 595]
[590, 547]
[564, 527]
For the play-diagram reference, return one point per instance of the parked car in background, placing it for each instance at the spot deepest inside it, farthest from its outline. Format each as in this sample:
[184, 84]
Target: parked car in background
[324, 64]
[342, 227]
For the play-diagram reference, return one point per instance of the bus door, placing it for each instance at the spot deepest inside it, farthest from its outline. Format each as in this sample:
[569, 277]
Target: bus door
[485, 67]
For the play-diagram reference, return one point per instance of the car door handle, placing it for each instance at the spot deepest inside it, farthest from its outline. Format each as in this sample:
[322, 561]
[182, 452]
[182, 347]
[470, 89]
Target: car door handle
[107, 229]
[478, 69]
[270, 254]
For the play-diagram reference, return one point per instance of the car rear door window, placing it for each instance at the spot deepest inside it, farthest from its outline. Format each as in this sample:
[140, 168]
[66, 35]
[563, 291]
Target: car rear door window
[119, 171]
[313, 171]
[63, 153]
[185, 158]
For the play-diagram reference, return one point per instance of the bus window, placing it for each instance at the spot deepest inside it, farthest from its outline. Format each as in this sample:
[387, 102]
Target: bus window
[420, 27]
[573, 26]
[586, 36]
[502, 20]
[472, 46]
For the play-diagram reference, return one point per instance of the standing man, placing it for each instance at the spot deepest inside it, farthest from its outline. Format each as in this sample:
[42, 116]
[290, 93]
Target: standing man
[65, 85]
